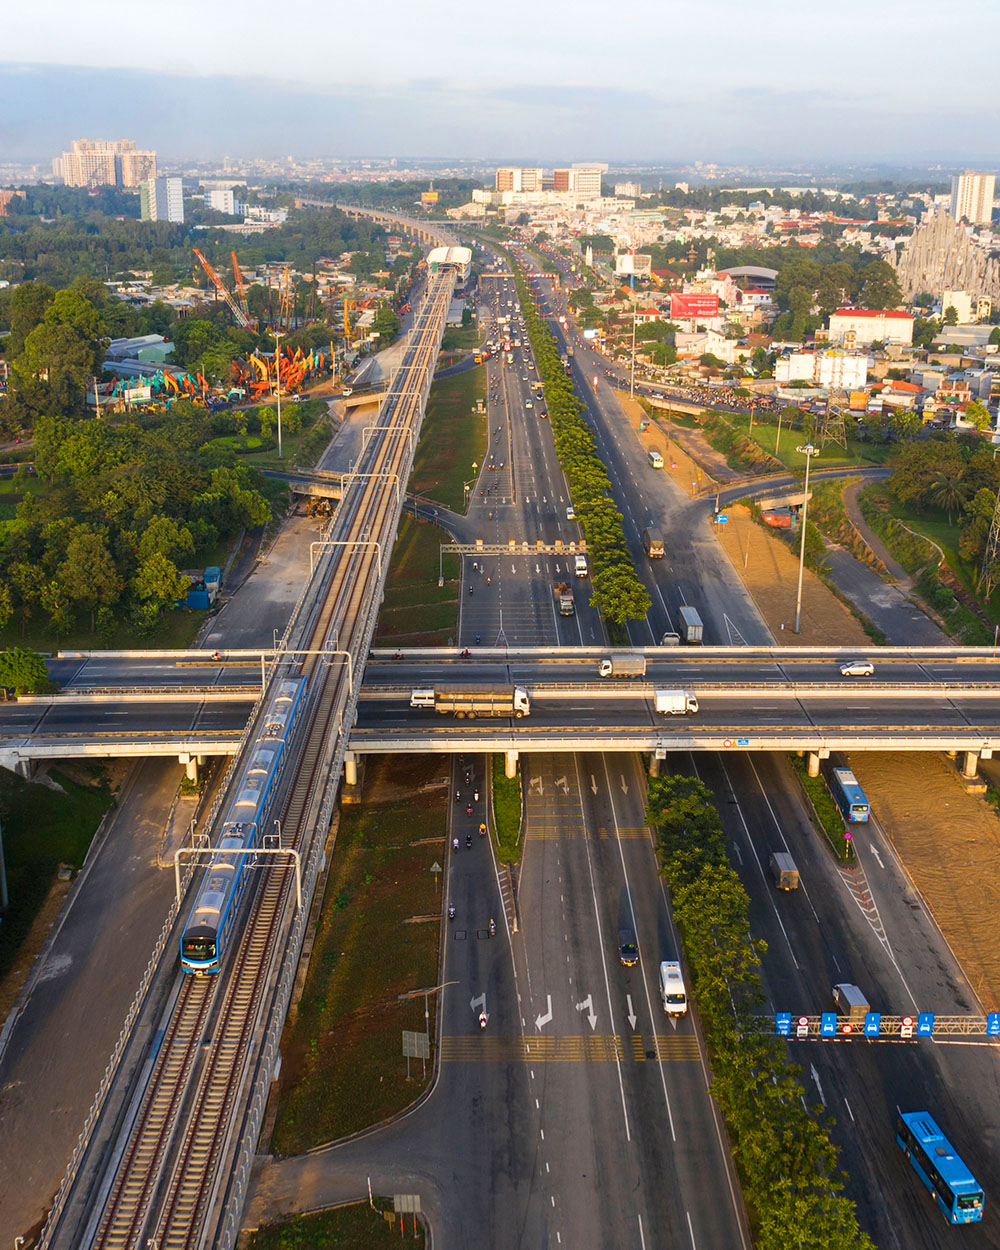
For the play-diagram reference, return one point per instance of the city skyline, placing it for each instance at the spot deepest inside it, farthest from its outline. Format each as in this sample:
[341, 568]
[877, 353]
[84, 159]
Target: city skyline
[530, 85]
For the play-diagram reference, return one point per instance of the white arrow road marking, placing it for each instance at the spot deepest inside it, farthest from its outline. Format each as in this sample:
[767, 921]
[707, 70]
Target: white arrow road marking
[588, 1002]
[819, 1088]
[624, 785]
[593, 784]
[513, 568]
[563, 785]
[536, 781]
[478, 1004]
[538, 569]
[632, 1017]
[877, 856]
[547, 1018]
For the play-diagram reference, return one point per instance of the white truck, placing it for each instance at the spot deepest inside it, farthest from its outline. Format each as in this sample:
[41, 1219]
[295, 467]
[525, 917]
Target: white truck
[623, 666]
[473, 702]
[691, 628]
[675, 702]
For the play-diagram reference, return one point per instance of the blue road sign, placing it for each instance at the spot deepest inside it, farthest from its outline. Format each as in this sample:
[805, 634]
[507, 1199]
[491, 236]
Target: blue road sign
[742, 742]
[783, 1023]
[721, 518]
[873, 1022]
[828, 1024]
[925, 1023]
[993, 1024]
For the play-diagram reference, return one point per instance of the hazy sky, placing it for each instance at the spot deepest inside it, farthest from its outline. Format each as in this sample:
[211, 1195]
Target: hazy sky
[637, 79]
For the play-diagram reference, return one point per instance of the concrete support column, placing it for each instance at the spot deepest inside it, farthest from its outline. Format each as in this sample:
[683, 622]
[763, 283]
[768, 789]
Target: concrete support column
[654, 765]
[201, 759]
[813, 766]
[970, 764]
[510, 763]
[190, 763]
[350, 768]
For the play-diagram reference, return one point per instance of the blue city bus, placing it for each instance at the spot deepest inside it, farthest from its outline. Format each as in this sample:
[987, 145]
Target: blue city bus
[849, 795]
[934, 1160]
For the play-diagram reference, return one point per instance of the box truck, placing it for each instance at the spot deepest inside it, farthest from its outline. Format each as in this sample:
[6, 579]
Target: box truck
[691, 628]
[783, 870]
[675, 702]
[623, 666]
[652, 540]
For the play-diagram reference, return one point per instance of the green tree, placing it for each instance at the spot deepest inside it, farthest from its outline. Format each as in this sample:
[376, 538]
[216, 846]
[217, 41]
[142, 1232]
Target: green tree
[159, 582]
[951, 315]
[59, 359]
[880, 286]
[385, 323]
[978, 414]
[948, 492]
[28, 303]
[71, 308]
[995, 336]
[87, 574]
[24, 671]
[166, 536]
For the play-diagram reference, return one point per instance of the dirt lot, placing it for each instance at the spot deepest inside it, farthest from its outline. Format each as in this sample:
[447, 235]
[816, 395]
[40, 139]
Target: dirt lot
[949, 842]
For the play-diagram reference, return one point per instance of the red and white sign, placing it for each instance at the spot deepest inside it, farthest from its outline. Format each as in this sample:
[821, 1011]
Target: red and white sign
[802, 1026]
[906, 1027]
[695, 305]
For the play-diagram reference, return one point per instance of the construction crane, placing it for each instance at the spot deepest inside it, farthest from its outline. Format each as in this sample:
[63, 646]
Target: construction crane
[286, 307]
[241, 317]
[241, 287]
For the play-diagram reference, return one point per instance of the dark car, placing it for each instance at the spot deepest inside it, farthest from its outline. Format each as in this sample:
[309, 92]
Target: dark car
[628, 951]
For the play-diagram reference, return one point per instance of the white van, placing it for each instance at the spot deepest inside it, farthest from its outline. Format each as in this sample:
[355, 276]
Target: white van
[581, 566]
[422, 698]
[672, 992]
[656, 460]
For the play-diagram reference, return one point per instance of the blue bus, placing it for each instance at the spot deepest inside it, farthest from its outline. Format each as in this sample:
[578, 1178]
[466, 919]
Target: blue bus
[934, 1160]
[849, 795]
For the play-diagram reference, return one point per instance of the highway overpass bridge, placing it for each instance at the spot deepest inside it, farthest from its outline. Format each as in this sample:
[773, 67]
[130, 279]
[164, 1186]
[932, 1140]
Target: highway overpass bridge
[750, 699]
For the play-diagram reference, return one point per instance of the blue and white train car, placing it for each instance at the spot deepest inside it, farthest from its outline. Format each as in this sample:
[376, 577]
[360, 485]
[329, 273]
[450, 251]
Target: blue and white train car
[203, 940]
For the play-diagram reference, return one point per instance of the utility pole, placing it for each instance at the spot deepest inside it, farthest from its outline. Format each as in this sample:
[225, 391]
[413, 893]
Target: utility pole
[808, 450]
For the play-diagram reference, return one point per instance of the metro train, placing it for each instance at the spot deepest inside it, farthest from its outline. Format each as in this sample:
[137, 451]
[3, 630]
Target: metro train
[204, 937]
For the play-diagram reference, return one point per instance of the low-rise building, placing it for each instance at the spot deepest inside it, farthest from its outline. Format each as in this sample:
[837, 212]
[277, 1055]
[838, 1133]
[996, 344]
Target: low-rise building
[864, 326]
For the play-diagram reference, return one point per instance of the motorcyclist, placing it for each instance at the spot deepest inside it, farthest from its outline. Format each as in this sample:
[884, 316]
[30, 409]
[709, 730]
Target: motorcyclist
[482, 1019]
[479, 639]
[451, 911]
[493, 927]
[455, 843]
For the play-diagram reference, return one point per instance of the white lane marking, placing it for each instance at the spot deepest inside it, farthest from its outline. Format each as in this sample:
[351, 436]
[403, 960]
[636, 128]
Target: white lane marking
[645, 985]
[691, 1230]
[819, 1088]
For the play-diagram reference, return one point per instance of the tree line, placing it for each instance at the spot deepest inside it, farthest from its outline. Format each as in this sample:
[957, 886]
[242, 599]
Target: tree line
[788, 1165]
[618, 594]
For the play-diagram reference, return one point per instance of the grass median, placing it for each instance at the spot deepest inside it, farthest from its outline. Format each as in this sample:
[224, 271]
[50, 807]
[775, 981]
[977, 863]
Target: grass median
[452, 439]
[416, 610]
[377, 938]
[507, 810]
[825, 810]
[355, 1227]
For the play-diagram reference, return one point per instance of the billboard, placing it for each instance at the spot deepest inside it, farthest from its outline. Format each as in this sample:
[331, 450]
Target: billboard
[428, 197]
[695, 305]
[637, 263]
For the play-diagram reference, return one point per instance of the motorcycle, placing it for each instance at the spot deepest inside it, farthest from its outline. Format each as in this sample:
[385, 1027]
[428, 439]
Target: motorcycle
[475, 796]
[455, 844]
[482, 1020]
[482, 830]
[451, 911]
[493, 928]
[468, 841]
[468, 810]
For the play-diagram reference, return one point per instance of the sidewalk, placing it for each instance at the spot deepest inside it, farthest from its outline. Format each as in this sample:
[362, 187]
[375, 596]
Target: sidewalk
[853, 509]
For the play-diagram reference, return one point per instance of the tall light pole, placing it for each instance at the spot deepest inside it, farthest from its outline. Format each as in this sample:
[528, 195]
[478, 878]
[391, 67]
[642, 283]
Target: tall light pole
[277, 382]
[807, 450]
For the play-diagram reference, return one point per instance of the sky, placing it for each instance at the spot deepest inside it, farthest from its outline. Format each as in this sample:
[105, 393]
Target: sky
[636, 80]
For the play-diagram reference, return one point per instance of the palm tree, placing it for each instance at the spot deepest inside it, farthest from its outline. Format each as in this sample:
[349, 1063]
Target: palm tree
[948, 492]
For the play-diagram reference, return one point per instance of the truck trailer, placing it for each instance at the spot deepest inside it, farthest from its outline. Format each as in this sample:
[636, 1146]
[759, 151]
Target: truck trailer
[473, 702]
[691, 628]
[623, 666]
[564, 599]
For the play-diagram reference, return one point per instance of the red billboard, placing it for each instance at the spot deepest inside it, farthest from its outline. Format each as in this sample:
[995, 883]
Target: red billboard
[695, 305]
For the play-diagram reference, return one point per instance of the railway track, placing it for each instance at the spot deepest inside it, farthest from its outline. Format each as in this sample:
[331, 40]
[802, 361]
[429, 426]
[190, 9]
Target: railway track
[169, 1183]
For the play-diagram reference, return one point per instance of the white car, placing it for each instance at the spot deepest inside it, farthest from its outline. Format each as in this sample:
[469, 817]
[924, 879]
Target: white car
[529, 404]
[570, 513]
[857, 668]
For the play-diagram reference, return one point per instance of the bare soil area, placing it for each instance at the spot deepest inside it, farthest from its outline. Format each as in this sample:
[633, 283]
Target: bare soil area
[949, 842]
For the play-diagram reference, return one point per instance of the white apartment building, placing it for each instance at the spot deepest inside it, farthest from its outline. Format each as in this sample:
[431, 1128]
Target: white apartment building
[223, 200]
[162, 199]
[972, 197]
[628, 190]
[846, 371]
[104, 163]
[861, 327]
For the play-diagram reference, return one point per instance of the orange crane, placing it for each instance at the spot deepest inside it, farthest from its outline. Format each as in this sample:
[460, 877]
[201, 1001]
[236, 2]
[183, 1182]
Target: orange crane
[241, 317]
[241, 287]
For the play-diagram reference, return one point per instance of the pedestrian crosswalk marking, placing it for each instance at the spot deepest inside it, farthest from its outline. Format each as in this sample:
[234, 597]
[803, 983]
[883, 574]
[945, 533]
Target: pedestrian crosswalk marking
[579, 1048]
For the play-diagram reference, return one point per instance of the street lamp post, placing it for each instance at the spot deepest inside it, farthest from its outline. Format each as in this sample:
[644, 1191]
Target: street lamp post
[277, 383]
[807, 450]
